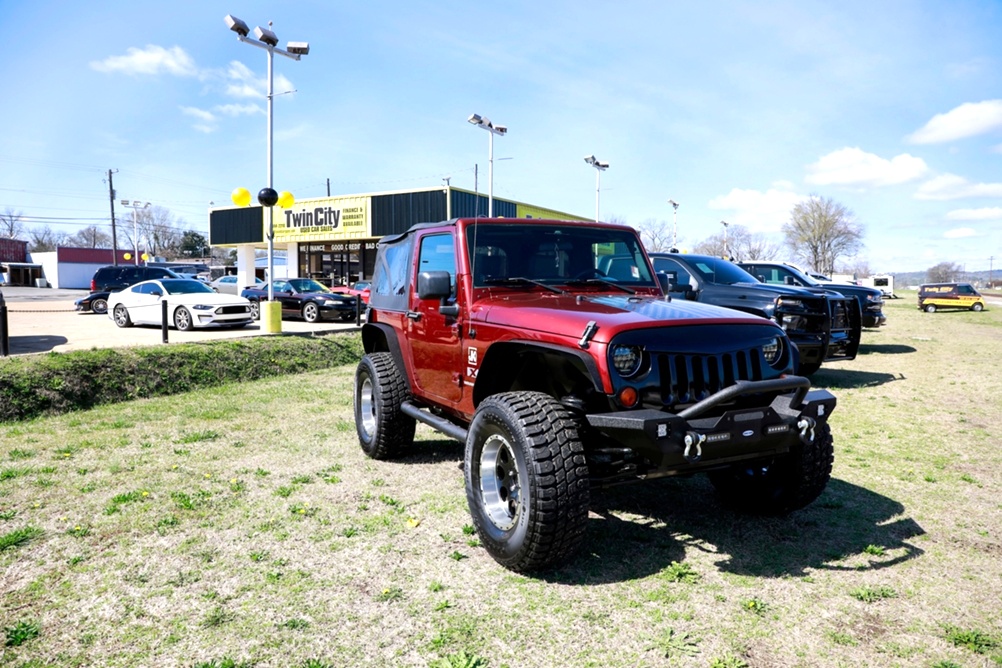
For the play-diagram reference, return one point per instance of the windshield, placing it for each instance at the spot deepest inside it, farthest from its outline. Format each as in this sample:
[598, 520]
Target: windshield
[521, 255]
[306, 285]
[184, 286]
[709, 269]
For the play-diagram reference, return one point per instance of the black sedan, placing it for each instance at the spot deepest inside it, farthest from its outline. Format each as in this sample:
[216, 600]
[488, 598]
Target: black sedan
[96, 302]
[304, 298]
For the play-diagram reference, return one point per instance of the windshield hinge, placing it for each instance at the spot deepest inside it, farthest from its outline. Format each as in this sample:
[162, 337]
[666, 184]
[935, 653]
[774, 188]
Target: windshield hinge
[589, 332]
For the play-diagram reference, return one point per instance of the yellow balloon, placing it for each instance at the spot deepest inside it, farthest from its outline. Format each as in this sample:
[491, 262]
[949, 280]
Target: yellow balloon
[144, 257]
[128, 256]
[240, 196]
[285, 199]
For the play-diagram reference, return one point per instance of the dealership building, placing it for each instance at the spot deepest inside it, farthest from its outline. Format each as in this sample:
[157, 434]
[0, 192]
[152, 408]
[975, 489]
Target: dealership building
[333, 239]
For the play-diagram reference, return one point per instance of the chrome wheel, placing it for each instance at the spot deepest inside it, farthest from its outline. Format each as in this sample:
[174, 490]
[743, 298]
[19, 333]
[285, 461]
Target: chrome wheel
[366, 408]
[311, 312]
[122, 316]
[500, 484]
[99, 306]
[255, 308]
[182, 319]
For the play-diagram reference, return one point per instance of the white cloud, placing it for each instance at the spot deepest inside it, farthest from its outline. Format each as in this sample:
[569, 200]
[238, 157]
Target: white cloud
[951, 186]
[855, 167]
[967, 120]
[959, 233]
[151, 60]
[244, 83]
[756, 210]
[238, 109]
[994, 213]
[205, 121]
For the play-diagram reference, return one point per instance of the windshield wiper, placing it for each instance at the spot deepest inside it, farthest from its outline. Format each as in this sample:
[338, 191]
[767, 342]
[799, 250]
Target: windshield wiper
[521, 280]
[593, 281]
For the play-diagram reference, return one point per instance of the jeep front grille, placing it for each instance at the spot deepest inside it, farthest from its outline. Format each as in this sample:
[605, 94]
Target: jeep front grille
[689, 378]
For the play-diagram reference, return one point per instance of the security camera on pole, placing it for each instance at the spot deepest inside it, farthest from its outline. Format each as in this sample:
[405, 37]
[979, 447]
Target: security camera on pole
[271, 312]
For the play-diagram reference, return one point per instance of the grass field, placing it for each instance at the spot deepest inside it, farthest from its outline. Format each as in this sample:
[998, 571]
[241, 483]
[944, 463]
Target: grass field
[242, 526]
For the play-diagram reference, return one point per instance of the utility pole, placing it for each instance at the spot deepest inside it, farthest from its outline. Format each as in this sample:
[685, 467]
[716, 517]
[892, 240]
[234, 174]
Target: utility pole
[114, 237]
[991, 262]
[328, 187]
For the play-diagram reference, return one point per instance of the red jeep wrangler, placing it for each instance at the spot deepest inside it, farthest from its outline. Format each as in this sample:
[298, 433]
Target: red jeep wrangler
[549, 349]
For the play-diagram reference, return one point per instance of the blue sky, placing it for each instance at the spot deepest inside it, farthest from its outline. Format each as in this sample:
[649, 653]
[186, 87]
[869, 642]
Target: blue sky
[736, 110]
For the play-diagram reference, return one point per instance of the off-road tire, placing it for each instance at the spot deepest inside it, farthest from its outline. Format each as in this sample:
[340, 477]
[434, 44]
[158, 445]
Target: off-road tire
[783, 483]
[380, 388]
[527, 480]
[808, 369]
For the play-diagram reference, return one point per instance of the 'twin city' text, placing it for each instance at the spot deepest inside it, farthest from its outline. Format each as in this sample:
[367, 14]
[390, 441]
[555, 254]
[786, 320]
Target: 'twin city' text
[324, 219]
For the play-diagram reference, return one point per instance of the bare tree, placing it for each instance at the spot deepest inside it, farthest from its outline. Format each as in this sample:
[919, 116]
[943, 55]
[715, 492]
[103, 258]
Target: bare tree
[91, 236]
[157, 231]
[656, 235]
[944, 272]
[821, 231]
[10, 224]
[43, 239]
[741, 244]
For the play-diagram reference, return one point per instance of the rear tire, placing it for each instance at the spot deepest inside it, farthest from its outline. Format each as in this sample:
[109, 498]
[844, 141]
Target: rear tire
[783, 483]
[930, 308]
[977, 307]
[380, 389]
[99, 306]
[527, 480]
[122, 318]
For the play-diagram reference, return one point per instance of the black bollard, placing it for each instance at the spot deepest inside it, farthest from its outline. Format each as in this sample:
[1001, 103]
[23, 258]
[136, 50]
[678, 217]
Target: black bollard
[163, 318]
[4, 339]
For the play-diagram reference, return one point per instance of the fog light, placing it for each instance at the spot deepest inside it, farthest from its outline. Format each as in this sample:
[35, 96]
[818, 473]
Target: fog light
[629, 397]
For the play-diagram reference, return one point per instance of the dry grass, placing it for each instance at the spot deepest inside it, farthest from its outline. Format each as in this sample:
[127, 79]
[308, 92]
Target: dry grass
[244, 523]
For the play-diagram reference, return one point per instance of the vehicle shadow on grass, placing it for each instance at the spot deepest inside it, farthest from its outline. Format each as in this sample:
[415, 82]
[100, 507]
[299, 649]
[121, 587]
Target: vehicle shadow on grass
[885, 349]
[850, 379]
[638, 530]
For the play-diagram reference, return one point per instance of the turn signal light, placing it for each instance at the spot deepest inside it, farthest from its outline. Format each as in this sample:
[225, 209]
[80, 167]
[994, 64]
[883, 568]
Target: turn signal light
[629, 397]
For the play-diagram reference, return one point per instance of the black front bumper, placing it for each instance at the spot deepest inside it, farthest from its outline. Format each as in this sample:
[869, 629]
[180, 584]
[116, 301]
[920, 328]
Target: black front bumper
[708, 434]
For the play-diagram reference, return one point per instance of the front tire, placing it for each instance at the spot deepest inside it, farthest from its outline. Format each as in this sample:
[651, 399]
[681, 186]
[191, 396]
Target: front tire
[808, 369]
[380, 389]
[183, 320]
[977, 307]
[311, 312]
[527, 480]
[930, 308]
[783, 483]
[99, 306]
[255, 309]
[122, 318]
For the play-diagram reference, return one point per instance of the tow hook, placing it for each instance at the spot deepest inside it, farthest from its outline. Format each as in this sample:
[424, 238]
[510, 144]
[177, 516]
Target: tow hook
[693, 439]
[806, 427]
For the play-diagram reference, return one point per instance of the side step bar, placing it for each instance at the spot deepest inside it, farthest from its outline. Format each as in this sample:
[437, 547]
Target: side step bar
[436, 422]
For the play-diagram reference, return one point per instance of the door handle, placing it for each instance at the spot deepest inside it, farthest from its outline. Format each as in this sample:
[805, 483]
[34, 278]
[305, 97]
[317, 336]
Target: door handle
[414, 315]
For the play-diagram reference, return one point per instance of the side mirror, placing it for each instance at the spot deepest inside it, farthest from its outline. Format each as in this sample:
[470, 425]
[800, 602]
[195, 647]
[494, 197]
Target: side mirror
[156, 293]
[437, 285]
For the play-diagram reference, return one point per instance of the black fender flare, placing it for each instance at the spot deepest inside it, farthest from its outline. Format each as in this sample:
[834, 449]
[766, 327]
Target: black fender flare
[498, 354]
[380, 337]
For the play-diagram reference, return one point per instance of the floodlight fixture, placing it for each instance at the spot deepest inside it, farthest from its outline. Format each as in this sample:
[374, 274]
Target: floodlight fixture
[599, 168]
[266, 36]
[485, 123]
[298, 48]
[236, 25]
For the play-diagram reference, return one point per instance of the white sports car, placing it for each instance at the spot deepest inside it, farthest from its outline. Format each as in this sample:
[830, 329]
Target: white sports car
[190, 303]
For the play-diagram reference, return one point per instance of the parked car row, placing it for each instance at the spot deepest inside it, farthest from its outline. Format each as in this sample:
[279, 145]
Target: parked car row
[132, 294]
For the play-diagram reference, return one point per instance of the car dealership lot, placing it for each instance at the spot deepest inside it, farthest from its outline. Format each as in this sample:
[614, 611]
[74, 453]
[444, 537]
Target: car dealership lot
[43, 320]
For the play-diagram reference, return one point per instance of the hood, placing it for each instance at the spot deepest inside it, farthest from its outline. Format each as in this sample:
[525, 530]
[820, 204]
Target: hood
[568, 315]
[782, 290]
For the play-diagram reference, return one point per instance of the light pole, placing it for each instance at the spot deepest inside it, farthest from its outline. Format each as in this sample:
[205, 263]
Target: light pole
[135, 205]
[674, 225]
[493, 129]
[599, 168]
[448, 197]
[267, 40]
[727, 253]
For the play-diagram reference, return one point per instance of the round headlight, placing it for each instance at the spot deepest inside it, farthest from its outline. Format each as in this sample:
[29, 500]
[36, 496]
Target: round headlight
[773, 350]
[627, 359]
